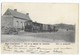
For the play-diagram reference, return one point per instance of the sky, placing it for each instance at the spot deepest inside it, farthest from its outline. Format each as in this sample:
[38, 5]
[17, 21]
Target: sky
[47, 13]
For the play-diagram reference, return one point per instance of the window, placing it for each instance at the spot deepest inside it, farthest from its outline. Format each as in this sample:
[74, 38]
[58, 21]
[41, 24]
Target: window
[17, 24]
[16, 21]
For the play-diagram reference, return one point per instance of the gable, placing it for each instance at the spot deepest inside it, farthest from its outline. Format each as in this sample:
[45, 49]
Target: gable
[7, 12]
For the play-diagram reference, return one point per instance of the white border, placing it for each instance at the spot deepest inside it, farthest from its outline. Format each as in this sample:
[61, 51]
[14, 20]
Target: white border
[62, 1]
[49, 1]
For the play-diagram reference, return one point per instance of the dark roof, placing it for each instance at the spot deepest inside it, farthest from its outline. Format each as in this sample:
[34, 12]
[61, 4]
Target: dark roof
[18, 14]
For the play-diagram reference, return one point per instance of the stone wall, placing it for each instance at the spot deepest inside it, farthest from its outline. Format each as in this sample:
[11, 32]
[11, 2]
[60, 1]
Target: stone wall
[18, 23]
[6, 22]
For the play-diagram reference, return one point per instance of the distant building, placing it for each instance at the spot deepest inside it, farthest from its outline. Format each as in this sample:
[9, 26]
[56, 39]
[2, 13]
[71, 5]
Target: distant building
[13, 18]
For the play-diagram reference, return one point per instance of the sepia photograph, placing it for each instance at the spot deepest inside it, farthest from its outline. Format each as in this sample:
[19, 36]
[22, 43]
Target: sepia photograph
[39, 22]
[39, 28]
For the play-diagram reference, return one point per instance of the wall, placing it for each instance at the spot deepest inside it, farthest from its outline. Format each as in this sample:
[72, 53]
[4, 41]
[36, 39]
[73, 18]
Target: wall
[6, 20]
[18, 23]
[45, 27]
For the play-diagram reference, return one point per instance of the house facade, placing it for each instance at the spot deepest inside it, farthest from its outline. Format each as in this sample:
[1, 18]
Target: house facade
[13, 18]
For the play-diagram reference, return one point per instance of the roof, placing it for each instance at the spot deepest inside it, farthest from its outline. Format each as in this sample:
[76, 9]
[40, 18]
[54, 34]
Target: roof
[18, 14]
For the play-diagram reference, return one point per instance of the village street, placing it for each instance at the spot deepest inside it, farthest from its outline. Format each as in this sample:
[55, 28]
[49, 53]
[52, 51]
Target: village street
[60, 36]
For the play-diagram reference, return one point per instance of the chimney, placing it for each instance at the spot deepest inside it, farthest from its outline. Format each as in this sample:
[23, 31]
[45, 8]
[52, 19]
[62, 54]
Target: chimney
[15, 9]
[27, 13]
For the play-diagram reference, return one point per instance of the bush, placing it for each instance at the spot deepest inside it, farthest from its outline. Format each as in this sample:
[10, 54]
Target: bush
[10, 30]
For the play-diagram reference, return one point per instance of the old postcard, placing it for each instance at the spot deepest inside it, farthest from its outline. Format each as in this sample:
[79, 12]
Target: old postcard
[39, 28]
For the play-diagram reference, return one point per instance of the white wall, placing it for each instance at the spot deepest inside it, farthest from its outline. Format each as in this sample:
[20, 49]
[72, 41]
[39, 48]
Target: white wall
[18, 23]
